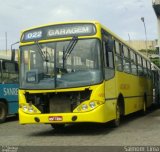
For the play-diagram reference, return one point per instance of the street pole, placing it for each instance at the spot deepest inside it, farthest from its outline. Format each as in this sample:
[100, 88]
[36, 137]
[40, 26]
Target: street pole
[6, 41]
[142, 19]
[129, 39]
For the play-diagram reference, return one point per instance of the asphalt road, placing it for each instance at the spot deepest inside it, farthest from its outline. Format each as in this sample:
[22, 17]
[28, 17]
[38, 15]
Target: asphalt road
[134, 130]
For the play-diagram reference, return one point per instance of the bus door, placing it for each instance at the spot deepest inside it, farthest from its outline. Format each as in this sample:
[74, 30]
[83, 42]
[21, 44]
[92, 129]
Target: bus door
[109, 68]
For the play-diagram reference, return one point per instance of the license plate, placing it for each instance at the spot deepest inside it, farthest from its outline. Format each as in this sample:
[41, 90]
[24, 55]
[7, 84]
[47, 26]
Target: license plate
[55, 118]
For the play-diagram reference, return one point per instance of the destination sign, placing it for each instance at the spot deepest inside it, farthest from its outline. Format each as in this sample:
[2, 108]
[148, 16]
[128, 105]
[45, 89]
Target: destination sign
[70, 30]
[59, 31]
[37, 34]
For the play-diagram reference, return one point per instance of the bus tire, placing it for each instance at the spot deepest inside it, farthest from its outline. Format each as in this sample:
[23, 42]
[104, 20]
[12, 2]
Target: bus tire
[57, 126]
[144, 108]
[144, 111]
[3, 111]
[116, 122]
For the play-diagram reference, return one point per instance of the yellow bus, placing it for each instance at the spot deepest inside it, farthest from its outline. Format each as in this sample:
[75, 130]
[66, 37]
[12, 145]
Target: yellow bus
[80, 71]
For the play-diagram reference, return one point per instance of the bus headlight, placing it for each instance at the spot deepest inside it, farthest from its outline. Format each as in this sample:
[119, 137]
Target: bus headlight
[92, 104]
[29, 108]
[84, 107]
[88, 106]
[25, 108]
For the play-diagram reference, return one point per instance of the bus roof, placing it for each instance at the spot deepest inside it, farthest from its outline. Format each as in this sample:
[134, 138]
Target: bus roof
[60, 23]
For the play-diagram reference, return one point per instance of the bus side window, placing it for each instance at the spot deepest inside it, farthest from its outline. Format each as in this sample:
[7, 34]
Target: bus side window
[9, 72]
[139, 63]
[145, 67]
[126, 59]
[118, 57]
[109, 45]
[133, 62]
[149, 69]
[109, 58]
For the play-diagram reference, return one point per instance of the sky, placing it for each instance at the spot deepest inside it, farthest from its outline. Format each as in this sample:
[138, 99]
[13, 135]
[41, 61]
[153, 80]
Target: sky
[123, 17]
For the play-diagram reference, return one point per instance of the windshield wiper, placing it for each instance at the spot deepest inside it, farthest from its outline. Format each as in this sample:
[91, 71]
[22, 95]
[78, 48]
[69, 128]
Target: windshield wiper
[44, 57]
[70, 47]
[41, 51]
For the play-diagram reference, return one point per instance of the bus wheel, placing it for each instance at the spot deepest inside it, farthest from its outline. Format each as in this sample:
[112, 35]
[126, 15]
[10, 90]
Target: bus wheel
[57, 126]
[144, 110]
[3, 112]
[116, 122]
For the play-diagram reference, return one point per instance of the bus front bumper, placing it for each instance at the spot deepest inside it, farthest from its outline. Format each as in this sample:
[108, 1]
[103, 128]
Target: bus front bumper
[98, 115]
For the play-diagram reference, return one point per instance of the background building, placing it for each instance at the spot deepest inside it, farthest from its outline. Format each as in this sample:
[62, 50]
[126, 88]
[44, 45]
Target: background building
[7, 54]
[141, 44]
[152, 51]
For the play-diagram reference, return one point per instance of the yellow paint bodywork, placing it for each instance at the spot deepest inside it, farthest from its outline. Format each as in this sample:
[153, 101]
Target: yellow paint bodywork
[97, 115]
[133, 89]
[102, 113]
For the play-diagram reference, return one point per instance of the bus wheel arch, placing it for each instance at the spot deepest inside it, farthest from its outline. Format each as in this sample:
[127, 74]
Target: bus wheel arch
[3, 110]
[119, 110]
[120, 102]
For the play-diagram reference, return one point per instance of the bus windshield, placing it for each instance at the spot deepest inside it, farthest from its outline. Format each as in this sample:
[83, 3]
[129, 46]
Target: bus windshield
[52, 65]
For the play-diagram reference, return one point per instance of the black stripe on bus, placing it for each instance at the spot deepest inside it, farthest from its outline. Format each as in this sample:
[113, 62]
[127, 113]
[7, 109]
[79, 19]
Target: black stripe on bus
[129, 97]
